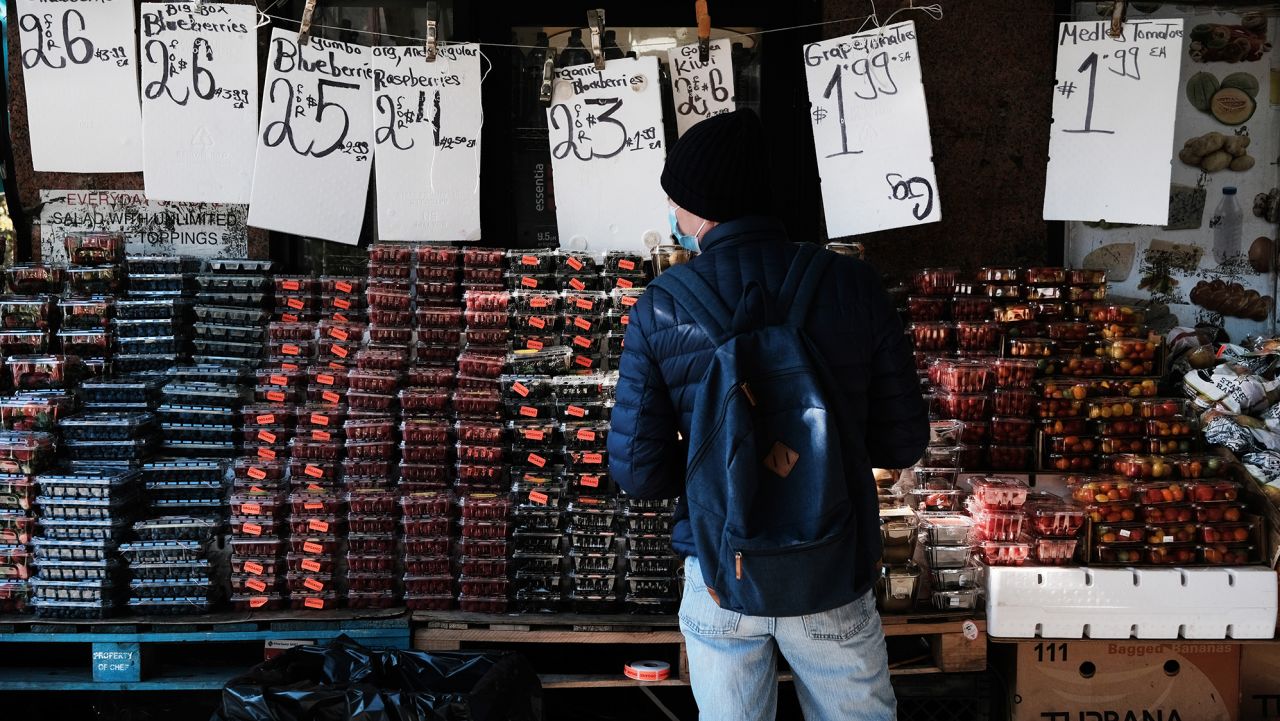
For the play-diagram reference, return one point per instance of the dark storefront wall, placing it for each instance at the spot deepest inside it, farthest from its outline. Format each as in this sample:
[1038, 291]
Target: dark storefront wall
[987, 67]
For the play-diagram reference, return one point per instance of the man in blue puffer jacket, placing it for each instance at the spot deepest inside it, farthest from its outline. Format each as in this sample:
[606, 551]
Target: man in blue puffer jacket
[716, 184]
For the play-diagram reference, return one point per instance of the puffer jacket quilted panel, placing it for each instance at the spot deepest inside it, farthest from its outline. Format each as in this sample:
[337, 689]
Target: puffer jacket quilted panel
[853, 324]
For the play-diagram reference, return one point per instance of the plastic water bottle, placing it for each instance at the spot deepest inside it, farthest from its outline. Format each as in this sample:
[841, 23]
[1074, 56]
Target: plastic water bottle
[1226, 227]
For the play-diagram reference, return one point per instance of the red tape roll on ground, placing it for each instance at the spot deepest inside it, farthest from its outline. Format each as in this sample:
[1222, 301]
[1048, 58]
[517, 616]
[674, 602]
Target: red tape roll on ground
[647, 670]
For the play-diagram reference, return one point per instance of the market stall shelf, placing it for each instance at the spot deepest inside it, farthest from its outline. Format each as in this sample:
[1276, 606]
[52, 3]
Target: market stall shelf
[120, 651]
[919, 643]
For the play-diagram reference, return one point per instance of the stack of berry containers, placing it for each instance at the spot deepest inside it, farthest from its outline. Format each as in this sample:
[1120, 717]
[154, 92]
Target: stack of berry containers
[624, 274]
[948, 553]
[537, 481]
[96, 274]
[259, 534]
[202, 418]
[96, 440]
[649, 564]
[186, 503]
[317, 527]
[1170, 426]
[17, 529]
[371, 573]
[84, 516]
[151, 325]
[1000, 527]
[428, 518]
[592, 513]
[87, 331]
[1055, 529]
[231, 312]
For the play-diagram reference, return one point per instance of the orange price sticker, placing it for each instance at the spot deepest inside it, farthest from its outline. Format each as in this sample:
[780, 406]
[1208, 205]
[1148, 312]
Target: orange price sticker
[529, 282]
[573, 262]
[339, 333]
[577, 284]
[576, 411]
[288, 317]
[584, 303]
[629, 300]
[310, 564]
[289, 366]
[537, 460]
[590, 481]
[343, 286]
[528, 412]
[534, 434]
[318, 526]
[252, 529]
[521, 389]
[583, 361]
[290, 349]
[312, 547]
[313, 471]
[313, 585]
[626, 264]
[586, 434]
[276, 396]
[539, 302]
[258, 601]
[582, 323]
[534, 344]
[537, 322]
[581, 341]
[325, 379]
[296, 304]
[316, 603]
[267, 436]
[279, 380]
[253, 567]
[291, 285]
[330, 397]
[626, 319]
[321, 436]
[310, 506]
[256, 473]
[342, 303]
[251, 509]
[625, 283]
[255, 584]
[592, 458]
[319, 419]
[339, 351]
[538, 497]
[268, 419]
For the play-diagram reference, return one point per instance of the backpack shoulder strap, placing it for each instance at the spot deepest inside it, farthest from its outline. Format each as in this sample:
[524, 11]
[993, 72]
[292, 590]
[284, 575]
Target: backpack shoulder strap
[802, 281]
[693, 293]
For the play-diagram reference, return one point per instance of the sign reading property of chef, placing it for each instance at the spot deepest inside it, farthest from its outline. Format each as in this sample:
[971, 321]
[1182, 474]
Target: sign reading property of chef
[1114, 104]
[199, 101]
[871, 131]
[607, 151]
[151, 227]
[315, 139]
[700, 89]
[426, 133]
[80, 70]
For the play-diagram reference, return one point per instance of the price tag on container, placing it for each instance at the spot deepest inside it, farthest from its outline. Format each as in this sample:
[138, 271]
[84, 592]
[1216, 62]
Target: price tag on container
[1114, 105]
[607, 152]
[315, 139]
[701, 90]
[80, 70]
[199, 101]
[871, 131]
[427, 119]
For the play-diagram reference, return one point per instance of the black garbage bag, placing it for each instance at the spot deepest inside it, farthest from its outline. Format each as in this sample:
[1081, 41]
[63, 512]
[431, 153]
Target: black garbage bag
[344, 681]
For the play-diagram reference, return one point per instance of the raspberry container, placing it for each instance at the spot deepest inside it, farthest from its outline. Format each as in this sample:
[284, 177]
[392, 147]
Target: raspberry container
[925, 308]
[996, 493]
[1054, 551]
[1007, 402]
[1004, 553]
[935, 336]
[936, 281]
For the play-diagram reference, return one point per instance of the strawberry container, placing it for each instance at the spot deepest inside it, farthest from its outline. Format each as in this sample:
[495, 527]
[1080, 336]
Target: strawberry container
[419, 431]
[303, 472]
[992, 525]
[364, 563]
[1007, 402]
[447, 318]
[1055, 519]
[438, 292]
[487, 301]
[364, 584]
[1004, 553]
[484, 507]
[1014, 313]
[419, 505]
[971, 308]
[935, 336]
[964, 377]
[1069, 331]
[939, 500]
[925, 308]
[373, 524]
[447, 256]
[423, 473]
[366, 430]
[936, 281]
[977, 335]
[361, 469]
[1010, 458]
[38, 372]
[424, 400]
[429, 602]
[994, 492]
[1054, 551]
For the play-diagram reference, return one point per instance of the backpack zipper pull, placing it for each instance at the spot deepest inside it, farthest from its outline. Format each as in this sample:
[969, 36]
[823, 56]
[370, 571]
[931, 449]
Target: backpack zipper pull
[737, 557]
[746, 390]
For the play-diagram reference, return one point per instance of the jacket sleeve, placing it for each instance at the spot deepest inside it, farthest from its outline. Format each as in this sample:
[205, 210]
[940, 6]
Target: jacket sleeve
[646, 457]
[899, 431]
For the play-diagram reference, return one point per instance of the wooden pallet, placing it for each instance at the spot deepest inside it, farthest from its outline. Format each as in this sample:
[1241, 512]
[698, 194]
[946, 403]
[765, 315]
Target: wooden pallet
[948, 642]
[118, 651]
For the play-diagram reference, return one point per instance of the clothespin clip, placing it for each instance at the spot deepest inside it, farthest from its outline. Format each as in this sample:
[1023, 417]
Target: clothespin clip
[595, 21]
[432, 38]
[548, 76]
[304, 28]
[1117, 19]
[704, 31]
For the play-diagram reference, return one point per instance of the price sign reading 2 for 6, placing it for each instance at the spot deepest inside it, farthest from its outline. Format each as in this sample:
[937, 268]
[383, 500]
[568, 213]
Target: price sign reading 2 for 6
[1114, 102]
[79, 63]
[871, 131]
[607, 149]
[315, 139]
[199, 101]
[427, 119]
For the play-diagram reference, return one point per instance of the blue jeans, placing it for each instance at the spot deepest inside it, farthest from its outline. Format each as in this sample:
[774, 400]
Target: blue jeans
[839, 659]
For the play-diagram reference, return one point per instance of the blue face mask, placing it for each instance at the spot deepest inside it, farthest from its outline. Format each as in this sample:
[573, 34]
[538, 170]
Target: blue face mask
[690, 242]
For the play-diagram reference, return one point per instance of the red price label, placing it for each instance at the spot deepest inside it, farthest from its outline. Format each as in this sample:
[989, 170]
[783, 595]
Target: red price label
[521, 389]
[311, 506]
[290, 349]
[318, 526]
[625, 283]
[330, 397]
[267, 436]
[313, 585]
[319, 419]
[534, 434]
[342, 303]
[252, 529]
[573, 262]
[268, 419]
[586, 434]
[576, 411]
[291, 285]
[534, 344]
[312, 547]
[279, 381]
[338, 333]
[539, 302]
[258, 601]
[267, 454]
[627, 264]
[276, 396]
[325, 379]
[255, 584]
[529, 282]
[528, 260]
[253, 567]
[339, 351]
[528, 412]
[256, 473]
[583, 361]
[592, 458]
[538, 497]
[321, 436]
[314, 603]
[288, 317]
[581, 341]
[311, 565]
[629, 300]
[537, 322]
[343, 286]
[590, 481]
[296, 304]
[251, 509]
[584, 303]
[313, 471]
[582, 323]
[537, 460]
[577, 284]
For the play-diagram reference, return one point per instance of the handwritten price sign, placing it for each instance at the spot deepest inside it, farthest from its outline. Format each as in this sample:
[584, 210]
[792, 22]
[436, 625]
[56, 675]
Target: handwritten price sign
[871, 131]
[79, 64]
[315, 139]
[701, 90]
[427, 119]
[1114, 103]
[199, 101]
[607, 151]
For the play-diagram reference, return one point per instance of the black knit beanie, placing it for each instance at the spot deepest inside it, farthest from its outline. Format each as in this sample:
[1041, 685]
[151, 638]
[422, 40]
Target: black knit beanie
[717, 169]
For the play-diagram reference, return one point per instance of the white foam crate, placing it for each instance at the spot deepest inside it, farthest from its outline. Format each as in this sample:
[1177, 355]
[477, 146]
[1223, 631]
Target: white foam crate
[1118, 603]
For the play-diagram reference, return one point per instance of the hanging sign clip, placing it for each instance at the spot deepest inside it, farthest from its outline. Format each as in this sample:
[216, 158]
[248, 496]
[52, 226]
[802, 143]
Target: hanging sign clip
[1117, 19]
[548, 75]
[432, 38]
[595, 21]
[304, 28]
[704, 31]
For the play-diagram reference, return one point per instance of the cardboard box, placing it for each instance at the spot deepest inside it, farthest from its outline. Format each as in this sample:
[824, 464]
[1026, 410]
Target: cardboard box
[1260, 682]
[1126, 681]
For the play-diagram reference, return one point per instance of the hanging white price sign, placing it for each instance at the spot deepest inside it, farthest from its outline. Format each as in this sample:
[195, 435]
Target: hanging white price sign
[80, 70]
[700, 89]
[871, 131]
[427, 119]
[1114, 104]
[315, 139]
[199, 101]
[607, 152]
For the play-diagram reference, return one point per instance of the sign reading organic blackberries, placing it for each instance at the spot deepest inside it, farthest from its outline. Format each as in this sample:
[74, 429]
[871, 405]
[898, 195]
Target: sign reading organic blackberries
[1114, 104]
[871, 131]
[607, 151]
[700, 89]
[427, 119]
[199, 101]
[80, 69]
[315, 139]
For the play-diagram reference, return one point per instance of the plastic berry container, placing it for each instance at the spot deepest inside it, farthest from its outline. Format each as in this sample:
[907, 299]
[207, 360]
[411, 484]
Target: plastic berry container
[936, 281]
[936, 500]
[964, 376]
[487, 301]
[1117, 554]
[1006, 402]
[993, 525]
[1054, 551]
[969, 407]
[1196, 466]
[1055, 519]
[1213, 512]
[971, 308]
[1086, 276]
[1121, 534]
[1015, 374]
[999, 553]
[933, 336]
[1010, 458]
[1072, 444]
[925, 308]
[1143, 467]
[995, 492]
